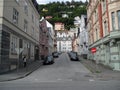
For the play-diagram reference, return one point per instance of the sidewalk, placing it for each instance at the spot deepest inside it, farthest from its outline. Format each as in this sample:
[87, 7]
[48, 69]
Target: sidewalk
[100, 71]
[20, 73]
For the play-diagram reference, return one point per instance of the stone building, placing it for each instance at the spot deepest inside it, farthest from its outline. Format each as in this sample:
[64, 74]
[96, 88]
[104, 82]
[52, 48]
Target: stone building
[19, 32]
[104, 32]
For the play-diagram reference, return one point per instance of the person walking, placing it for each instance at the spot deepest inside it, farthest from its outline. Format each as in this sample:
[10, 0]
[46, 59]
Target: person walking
[25, 61]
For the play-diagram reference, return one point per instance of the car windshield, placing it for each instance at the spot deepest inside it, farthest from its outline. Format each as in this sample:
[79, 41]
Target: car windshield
[49, 58]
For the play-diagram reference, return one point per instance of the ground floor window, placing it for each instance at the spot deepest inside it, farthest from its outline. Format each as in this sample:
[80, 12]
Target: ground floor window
[13, 44]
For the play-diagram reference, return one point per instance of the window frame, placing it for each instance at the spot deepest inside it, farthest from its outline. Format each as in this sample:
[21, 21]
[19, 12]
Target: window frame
[15, 16]
[25, 25]
[14, 43]
[118, 18]
[113, 20]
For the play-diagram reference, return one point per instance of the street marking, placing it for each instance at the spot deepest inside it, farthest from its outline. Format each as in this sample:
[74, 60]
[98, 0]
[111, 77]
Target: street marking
[59, 79]
[91, 80]
[36, 79]
[64, 79]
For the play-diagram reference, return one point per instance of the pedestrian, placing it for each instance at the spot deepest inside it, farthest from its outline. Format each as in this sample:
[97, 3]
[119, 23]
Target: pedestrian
[25, 61]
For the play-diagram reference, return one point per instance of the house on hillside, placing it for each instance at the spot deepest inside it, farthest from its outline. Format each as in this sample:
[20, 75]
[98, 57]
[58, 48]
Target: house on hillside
[59, 26]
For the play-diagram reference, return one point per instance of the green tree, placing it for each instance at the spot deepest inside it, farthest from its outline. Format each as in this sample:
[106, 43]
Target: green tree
[56, 9]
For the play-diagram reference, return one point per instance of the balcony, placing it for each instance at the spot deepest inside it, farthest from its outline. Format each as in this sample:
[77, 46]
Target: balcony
[114, 34]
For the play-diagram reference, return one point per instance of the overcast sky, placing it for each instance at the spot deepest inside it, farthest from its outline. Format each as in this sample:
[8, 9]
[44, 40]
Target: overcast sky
[47, 1]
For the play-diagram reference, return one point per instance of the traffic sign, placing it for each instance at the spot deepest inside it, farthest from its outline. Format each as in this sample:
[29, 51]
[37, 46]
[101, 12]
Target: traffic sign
[93, 50]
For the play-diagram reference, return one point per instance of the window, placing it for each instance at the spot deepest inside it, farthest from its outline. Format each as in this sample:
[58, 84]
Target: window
[104, 6]
[20, 43]
[32, 50]
[25, 25]
[113, 20]
[26, 8]
[105, 28]
[96, 15]
[13, 44]
[25, 45]
[15, 16]
[17, 1]
[33, 31]
[112, 0]
[96, 34]
[32, 18]
[118, 14]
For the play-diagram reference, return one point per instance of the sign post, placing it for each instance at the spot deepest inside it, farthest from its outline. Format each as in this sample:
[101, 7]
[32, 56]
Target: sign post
[93, 50]
[18, 50]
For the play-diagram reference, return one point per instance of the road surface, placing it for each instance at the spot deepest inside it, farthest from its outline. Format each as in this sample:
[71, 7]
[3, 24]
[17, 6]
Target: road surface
[62, 75]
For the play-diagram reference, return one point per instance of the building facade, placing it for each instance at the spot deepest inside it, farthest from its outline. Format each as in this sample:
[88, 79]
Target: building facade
[103, 26]
[64, 41]
[51, 38]
[43, 39]
[83, 37]
[59, 26]
[19, 32]
[74, 33]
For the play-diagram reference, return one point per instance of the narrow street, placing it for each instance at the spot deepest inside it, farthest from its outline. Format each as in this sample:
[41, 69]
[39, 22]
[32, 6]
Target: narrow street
[62, 75]
[62, 70]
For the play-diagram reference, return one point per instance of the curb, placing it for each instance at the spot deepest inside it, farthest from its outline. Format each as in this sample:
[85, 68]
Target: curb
[22, 76]
[92, 70]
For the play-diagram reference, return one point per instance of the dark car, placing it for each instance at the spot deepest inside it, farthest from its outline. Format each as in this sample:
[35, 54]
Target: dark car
[73, 56]
[59, 53]
[55, 54]
[48, 60]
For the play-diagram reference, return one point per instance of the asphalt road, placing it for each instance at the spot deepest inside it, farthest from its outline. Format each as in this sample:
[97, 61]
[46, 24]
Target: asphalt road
[62, 75]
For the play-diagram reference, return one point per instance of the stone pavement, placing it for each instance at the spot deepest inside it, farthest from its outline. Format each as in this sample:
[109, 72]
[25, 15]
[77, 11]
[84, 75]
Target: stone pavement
[100, 71]
[20, 73]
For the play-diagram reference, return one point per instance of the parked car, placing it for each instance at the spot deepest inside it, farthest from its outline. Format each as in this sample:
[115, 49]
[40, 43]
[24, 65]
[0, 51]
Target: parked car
[59, 53]
[73, 56]
[55, 54]
[48, 60]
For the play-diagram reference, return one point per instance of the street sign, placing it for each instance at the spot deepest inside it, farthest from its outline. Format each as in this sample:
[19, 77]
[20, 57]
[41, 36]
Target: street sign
[19, 50]
[93, 50]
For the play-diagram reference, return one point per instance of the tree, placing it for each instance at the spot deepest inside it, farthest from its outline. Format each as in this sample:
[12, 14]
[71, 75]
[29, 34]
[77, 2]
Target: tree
[56, 9]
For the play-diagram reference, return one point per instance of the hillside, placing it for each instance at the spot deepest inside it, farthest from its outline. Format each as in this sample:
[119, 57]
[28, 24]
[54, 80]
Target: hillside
[55, 11]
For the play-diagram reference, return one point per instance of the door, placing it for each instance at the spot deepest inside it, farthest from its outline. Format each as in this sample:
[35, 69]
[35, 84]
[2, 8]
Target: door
[107, 55]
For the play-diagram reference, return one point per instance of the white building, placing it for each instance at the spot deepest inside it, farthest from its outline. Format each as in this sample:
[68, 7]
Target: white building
[51, 35]
[64, 41]
[64, 15]
[82, 38]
